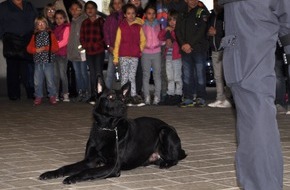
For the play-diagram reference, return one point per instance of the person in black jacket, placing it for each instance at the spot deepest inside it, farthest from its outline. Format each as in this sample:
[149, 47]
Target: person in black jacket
[16, 28]
[191, 29]
[252, 28]
[215, 34]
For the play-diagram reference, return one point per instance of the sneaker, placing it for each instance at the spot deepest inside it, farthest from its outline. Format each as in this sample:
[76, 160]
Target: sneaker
[200, 102]
[37, 101]
[280, 109]
[224, 104]
[79, 98]
[57, 98]
[66, 97]
[137, 101]
[186, 103]
[92, 100]
[215, 104]
[156, 100]
[52, 100]
[288, 113]
[85, 96]
[147, 100]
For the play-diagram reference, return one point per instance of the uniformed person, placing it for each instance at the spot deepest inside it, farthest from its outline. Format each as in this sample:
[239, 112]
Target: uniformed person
[252, 28]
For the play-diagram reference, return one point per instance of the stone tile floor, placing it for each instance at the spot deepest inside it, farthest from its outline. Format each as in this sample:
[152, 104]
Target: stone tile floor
[37, 139]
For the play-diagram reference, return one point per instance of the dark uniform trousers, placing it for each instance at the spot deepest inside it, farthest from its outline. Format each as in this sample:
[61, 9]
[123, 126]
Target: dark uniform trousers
[252, 28]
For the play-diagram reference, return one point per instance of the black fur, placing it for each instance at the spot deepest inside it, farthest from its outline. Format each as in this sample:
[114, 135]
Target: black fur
[117, 143]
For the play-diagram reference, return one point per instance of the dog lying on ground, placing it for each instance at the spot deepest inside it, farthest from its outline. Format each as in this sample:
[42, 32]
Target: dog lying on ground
[117, 143]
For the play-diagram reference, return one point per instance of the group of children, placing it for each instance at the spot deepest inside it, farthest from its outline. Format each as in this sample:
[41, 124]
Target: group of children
[133, 37]
[140, 41]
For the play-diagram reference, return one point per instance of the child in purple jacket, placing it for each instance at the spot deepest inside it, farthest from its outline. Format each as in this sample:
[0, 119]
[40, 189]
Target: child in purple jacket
[110, 30]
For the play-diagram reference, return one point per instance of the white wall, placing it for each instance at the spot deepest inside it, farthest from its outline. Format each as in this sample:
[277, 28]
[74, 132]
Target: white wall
[208, 4]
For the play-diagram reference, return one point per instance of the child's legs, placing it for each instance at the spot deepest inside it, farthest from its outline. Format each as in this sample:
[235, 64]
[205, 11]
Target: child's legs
[38, 80]
[63, 73]
[77, 69]
[124, 69]
[177, 70]
[84, 76]
[91, 64]
[170, 75]
[132, 74]
[146, 67]
[110, 72]
[49, 76]
[156, 64]
[99, 63]
[56, 76]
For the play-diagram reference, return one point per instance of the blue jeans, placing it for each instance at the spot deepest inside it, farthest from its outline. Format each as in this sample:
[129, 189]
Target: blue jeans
[44, 71]
[96, 65]
[193, 69]
[60, 73]
[82, 76]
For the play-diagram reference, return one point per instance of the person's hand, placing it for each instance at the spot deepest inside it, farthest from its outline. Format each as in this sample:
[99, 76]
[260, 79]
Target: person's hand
[115, 64]
[186, 48]
[41, 49]
[211, 31]
[168, 43]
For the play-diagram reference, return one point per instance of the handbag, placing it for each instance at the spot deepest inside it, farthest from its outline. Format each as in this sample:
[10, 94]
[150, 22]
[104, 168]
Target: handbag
[14, 46]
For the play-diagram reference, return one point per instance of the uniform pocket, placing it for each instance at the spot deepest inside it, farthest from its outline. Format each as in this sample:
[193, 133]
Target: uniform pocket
[232, 59]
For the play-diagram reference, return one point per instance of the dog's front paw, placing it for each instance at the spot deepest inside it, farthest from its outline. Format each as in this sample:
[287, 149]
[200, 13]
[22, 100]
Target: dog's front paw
[71, 180]
[49, 175]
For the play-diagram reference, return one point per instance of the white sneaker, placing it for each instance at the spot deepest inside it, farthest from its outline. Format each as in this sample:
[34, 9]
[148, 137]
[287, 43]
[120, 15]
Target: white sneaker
[224, 104]
[147, 100]
[66, 98]
[288, 113]
[214, 104]
[156, 100]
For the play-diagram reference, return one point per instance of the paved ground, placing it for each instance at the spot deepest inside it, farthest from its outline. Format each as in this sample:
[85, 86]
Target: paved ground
[36, 139]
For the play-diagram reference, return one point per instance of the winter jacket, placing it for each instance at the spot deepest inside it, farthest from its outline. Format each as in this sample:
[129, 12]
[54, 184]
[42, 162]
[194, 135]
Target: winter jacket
[41, 39]
[74, 38]
[216, 21]
[151, 31]
[175, 46]
[62, 34]
[110, 28]
[191, 28]
[130, 40]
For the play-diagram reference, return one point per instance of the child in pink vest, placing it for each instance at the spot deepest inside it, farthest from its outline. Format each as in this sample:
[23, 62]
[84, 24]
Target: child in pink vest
[129, 44]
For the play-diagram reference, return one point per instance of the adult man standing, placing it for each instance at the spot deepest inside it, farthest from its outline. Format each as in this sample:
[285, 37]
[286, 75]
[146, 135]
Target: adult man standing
[16, 27]
[252, 28]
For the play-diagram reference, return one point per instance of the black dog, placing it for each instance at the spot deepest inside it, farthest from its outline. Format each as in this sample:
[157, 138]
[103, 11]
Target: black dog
[117, 143]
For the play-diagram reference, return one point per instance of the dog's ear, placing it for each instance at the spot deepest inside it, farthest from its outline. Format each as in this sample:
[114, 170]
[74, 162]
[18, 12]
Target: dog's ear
[100, 85]
[126, 89]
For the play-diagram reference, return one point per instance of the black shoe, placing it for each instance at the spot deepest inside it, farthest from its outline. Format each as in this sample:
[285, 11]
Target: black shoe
[14, 98]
